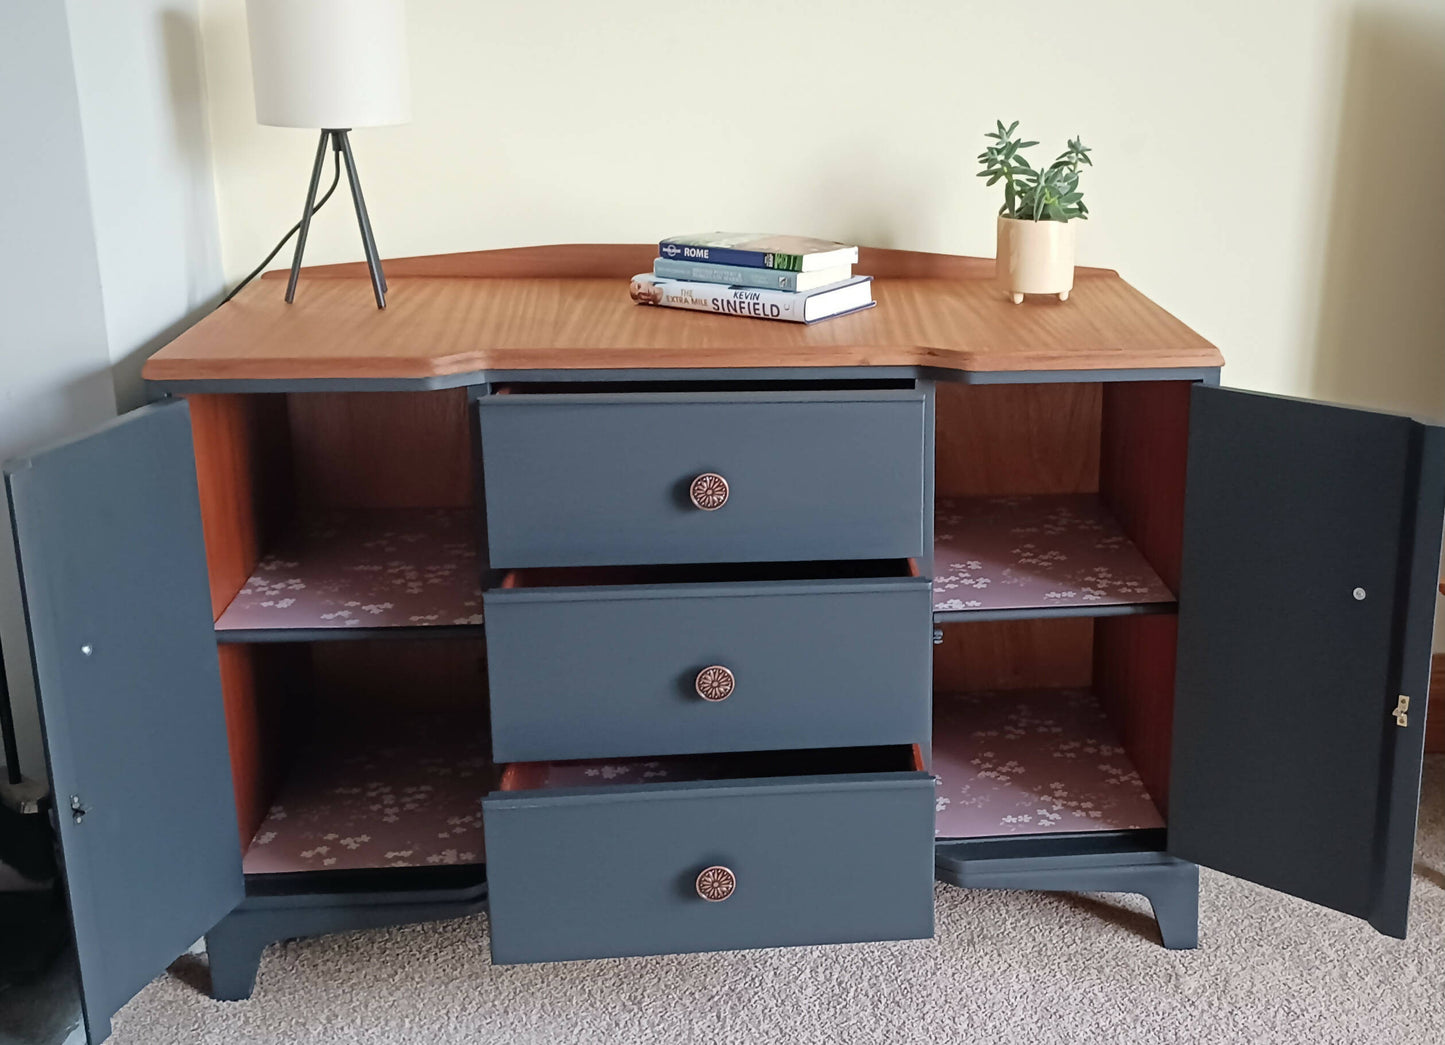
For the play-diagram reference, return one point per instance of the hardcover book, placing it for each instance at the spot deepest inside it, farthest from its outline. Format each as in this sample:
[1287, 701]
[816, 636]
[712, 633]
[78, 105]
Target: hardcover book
[802, 307]
[759, 250]
[743, 276]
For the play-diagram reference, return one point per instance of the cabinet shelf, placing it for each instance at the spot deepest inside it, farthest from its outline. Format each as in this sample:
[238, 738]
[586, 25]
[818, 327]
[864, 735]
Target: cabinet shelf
[409, 796]
[1029, 762]
[396, 572]
[1054, 555]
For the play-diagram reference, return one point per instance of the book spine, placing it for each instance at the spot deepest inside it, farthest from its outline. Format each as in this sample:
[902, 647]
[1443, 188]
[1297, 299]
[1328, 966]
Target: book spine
[757, 259]
[732, 275]
[725, 301]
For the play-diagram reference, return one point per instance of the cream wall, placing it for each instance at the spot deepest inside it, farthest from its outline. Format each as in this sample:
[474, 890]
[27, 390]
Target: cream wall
[1223, 188]
[1268, 170]
[108, 233]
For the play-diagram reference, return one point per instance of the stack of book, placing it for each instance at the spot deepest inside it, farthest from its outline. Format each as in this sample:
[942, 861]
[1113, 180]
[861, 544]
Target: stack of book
[746, 274]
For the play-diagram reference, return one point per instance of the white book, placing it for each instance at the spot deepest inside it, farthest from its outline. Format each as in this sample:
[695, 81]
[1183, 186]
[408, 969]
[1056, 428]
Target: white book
[804, 306]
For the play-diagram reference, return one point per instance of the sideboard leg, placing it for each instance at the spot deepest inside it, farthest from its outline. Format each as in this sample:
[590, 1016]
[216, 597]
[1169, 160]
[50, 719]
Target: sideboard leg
[1170, 885]
[235, 957]
[1175, 899]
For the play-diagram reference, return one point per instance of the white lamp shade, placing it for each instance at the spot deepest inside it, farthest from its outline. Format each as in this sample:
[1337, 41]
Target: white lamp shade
[329, 63]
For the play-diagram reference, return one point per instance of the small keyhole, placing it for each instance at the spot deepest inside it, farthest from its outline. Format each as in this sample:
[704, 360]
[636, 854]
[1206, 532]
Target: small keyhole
[1359, 594]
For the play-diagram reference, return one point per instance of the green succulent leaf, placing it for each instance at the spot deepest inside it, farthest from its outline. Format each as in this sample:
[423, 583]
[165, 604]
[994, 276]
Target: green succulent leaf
[1041, 194]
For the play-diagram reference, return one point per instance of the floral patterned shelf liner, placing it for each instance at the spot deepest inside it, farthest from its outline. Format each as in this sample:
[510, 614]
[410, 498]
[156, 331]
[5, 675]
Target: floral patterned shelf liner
[409, 797]
[1032, 552]
[1032, 762]
[381, 568]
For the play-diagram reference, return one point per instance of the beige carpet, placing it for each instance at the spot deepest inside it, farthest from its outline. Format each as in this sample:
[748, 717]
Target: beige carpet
[1004, 967]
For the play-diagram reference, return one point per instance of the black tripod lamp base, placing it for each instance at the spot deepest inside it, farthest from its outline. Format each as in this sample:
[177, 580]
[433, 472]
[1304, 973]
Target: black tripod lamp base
[340, 141]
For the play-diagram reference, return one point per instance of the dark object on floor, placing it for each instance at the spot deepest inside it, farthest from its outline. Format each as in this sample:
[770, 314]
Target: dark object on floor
[25, 839]
[39, 989]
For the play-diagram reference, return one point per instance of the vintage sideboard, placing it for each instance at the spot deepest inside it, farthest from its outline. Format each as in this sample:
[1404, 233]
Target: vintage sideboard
[652, 632]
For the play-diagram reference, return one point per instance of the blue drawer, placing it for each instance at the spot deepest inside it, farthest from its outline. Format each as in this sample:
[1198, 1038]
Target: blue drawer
[617, 670]
[613, 871]
[610, 478]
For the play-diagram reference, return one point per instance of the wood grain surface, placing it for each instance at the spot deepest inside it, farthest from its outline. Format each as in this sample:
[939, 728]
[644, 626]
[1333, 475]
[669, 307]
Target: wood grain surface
[567, 308]
[381, 449]
[1047, 653]
[243, 480]
[1006, 440]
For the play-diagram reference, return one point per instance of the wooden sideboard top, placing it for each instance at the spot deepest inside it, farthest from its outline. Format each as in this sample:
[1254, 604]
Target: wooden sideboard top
[567, 308]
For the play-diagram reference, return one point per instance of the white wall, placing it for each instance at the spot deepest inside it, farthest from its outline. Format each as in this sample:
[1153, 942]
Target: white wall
[1269, 172]
[1225, 188]
[108, 236]
[54, 366]
[142, 96]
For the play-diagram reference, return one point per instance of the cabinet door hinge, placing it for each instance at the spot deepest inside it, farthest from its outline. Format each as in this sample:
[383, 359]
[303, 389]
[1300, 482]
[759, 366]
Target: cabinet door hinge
[1401, 707]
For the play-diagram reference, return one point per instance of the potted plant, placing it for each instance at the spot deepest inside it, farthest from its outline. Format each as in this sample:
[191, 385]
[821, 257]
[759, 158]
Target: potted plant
[1036, 233]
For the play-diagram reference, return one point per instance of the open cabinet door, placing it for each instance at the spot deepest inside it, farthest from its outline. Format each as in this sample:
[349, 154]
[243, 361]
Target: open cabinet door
[113, 570]
[1311, 557]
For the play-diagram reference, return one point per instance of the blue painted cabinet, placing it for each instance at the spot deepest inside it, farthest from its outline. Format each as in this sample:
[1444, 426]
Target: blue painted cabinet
[615, 670]
[1311, 548]
[108, 536]
[617, 871]
[615, 583]
[606, 479]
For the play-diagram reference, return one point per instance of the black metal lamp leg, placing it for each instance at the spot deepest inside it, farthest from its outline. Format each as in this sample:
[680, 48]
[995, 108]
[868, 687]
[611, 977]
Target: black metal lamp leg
[306, 216]
[368, 242]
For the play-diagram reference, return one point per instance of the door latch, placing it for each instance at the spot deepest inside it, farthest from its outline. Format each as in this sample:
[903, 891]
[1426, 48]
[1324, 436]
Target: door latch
[1401, 706]
[78, 809]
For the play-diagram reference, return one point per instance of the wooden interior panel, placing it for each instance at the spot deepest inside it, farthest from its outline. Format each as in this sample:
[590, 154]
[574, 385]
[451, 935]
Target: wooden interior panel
[360, 679]
[1143, 459]
[266, 714]
[1134, 681]
[243, 478]
[1017, 439]
[382, 449]
[1015, 654]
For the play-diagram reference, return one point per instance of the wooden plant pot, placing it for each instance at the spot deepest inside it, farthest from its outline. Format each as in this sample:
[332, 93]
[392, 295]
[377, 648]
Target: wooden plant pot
[1036, 257]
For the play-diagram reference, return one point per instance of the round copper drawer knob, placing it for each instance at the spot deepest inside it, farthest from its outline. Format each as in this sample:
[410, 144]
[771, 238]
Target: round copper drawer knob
[716, 883]
[709, 491]
[714, 683]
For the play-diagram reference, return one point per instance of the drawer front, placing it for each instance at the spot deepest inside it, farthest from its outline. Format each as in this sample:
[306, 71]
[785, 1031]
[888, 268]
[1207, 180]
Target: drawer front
[613, 872]
[582, 480]
[614, 671]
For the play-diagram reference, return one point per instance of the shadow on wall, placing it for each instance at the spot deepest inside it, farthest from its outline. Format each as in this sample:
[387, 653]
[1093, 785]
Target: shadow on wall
[1381, 336]
[186, 104]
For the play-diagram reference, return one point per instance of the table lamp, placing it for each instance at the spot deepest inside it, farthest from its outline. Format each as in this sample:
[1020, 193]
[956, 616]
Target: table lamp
[334, 65]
